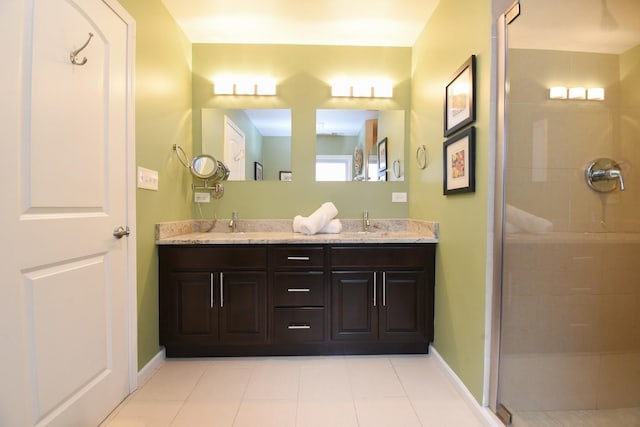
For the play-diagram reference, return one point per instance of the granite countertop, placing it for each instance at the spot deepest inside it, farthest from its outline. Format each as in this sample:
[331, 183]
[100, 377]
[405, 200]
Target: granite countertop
[280, 231]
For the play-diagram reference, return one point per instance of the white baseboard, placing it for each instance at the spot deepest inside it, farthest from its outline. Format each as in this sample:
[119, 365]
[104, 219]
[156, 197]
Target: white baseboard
[145, 373]
[484, 414]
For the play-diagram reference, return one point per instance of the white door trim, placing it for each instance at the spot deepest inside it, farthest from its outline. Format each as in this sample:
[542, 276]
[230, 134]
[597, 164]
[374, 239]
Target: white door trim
[132, 279]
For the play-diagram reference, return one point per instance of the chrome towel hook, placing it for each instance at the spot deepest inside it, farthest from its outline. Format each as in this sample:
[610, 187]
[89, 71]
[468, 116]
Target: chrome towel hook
[73, 56]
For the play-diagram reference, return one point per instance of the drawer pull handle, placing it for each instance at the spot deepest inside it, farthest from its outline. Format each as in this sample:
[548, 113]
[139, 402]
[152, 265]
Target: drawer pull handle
[298, 258]
[298, 290]
[299, 327]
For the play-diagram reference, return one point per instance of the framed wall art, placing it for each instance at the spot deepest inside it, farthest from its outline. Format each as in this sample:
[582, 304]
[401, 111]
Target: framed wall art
[460, 98]
[285, 175]
[257, 171]
[459, 156]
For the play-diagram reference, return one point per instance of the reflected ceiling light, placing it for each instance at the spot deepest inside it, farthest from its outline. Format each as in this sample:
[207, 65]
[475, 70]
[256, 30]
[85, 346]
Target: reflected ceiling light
[244, 86]
[577, 93]
[595, 94]
[361, 88]
[558, 92]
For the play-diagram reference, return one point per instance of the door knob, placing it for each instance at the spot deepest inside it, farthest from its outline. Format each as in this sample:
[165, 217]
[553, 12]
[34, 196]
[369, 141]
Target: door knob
[120, 231]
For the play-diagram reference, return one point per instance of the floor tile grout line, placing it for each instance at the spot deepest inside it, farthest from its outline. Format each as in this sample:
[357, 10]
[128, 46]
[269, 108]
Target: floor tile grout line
[184, 401]
[406, 395]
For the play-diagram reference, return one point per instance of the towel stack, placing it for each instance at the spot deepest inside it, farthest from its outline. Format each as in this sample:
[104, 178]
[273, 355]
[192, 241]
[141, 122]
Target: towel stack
[321, 221]
[518, 221]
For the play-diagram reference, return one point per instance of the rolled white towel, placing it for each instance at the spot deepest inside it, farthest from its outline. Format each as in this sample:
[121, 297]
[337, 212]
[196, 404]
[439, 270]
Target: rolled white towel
[334, 227]
[526, 221]
[316, 221]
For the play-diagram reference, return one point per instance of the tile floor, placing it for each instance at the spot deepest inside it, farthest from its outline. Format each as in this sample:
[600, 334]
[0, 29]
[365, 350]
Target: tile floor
[625, 417]
[334, 391]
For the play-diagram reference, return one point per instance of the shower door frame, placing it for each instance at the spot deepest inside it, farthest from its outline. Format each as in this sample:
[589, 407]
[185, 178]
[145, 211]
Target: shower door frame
[510, 14]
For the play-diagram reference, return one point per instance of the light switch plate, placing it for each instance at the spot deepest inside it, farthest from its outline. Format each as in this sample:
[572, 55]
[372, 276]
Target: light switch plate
[147, 179]
[200, 197]
[399, 197]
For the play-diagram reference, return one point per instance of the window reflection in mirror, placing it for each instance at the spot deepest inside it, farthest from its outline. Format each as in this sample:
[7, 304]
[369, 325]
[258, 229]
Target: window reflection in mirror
[243, 137]
[347, 145]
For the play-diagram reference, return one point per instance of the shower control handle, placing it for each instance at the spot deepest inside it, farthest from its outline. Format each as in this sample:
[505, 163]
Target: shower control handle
[604, 175]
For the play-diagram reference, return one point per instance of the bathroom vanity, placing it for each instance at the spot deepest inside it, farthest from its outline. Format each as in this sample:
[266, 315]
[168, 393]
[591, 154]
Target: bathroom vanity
[248, 294]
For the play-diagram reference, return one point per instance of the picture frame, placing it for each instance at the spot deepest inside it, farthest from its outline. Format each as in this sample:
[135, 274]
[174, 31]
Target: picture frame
[459, 160]
[460, 98]
[257, 171]
[382, 155]
[285, 175]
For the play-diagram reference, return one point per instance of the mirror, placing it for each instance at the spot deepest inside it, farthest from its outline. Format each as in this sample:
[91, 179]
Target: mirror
[204, 166]
[254, 143]
[360, 145]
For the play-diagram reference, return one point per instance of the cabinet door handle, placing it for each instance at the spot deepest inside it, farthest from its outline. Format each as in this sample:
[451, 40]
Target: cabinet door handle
[298, 258]
[384, 288]
[221, 290]
[299, 327]
[298, 290]
[374, 288]
[211, 284]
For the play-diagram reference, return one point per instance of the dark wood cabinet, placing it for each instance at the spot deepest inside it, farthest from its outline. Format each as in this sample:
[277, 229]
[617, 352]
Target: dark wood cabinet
[382, 294]
[298, 295]
[224, 300]
[212, 297]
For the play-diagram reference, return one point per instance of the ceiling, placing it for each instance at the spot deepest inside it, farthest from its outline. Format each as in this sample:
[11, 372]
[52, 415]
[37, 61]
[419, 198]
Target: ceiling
[394, 23]
[599, 26]
[605, 26]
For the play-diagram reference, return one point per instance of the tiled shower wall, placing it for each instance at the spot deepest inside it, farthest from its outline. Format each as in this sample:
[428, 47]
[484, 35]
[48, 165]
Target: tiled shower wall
[571, 298]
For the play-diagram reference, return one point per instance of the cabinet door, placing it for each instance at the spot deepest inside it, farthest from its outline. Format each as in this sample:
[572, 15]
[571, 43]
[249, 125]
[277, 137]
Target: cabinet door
[354, 314]
[242, 303]
[402, 309]
[191, 314]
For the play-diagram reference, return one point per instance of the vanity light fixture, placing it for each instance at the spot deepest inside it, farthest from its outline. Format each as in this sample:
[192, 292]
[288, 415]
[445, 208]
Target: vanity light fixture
[558, 92]
[577, 93]
[595, 94]
[361, 89]
[244, 86]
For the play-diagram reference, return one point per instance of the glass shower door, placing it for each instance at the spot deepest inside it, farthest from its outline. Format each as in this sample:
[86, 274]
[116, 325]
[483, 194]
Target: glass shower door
[570, 296]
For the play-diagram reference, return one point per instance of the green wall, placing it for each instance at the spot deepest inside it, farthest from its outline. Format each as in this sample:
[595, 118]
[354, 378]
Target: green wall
[303, 75]
[167, 91]
[456, 30]
[163, 118]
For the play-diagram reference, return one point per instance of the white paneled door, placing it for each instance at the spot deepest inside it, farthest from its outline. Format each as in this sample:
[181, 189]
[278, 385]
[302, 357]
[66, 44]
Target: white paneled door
[67, 292]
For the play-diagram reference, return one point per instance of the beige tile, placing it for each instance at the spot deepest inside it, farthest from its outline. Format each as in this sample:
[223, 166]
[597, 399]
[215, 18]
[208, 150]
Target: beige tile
[534, 419]
[322, 413]
[619, 384]
[206, 414]
[386, 411]
[426, 382]
[275, 379]
[146, 414]
[174, 380]
[221, 383]
[373, 377]
[325, 381]
[266, 413]
[453, 413]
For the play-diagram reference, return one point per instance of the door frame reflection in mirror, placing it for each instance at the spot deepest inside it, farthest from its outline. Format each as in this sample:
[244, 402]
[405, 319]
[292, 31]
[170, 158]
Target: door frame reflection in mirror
[267, 137]
[353, 132]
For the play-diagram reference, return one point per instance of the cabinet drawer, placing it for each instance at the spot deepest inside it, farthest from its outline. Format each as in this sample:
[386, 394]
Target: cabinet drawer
[382, 256]
[298, 288]
[293, 325]
[288, 257]
[212, 258]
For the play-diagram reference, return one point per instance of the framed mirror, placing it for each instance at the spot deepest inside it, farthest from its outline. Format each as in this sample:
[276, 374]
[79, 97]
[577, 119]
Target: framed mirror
[360, 145]
[244, 137]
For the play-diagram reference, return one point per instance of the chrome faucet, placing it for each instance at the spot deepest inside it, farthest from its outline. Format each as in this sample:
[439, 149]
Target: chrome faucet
[365, 221]
[233, 224]
[604, 175]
